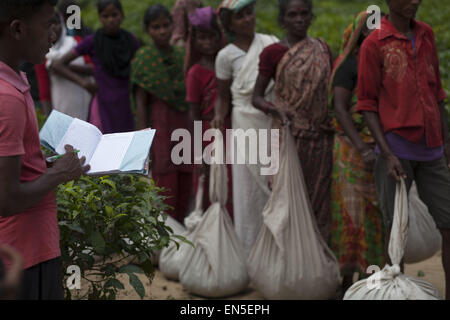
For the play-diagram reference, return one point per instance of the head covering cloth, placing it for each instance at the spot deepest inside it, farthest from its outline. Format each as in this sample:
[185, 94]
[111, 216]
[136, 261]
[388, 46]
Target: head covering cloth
[349, 43]
[201, 18]
[235, 5]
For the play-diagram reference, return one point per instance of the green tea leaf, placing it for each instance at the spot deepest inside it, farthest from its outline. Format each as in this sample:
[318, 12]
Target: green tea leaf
[137, 285]
[98, 242]
[114, 283]
[130, 269]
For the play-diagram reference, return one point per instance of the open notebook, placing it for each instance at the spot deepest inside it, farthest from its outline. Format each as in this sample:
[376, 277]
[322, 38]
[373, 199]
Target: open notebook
[106, 154]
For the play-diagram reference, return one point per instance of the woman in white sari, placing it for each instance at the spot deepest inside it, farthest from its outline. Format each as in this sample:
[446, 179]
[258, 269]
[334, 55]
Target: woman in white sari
[236, 71]
[66, 96]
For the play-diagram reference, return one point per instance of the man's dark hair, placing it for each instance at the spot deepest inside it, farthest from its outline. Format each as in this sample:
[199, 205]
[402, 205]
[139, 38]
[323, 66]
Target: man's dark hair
[154, 12]
[282, 7]
[19, 9]
[103, 4]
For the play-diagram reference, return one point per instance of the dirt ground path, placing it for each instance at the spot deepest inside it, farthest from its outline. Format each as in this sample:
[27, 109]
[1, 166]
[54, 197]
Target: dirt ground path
[162, 289]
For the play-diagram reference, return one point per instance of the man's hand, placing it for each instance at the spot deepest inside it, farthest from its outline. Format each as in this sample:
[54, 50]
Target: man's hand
[394, 167]
[10, 284]
[70, 166]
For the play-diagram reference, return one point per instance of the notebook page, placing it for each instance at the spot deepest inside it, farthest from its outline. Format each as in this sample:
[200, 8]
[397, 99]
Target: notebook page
[82, 136]
[110, 152]
[54, 129]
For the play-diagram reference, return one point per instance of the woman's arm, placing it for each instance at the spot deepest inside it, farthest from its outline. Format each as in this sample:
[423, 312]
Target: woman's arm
[223, 103]
[142, 101]
[259, 101]
[342, 102]
[84, 70]
[62, 68]
[195, 111]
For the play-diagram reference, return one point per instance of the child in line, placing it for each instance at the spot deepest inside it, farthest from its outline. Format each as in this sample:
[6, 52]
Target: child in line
[111, 50]
[206, 40]
[159, 91]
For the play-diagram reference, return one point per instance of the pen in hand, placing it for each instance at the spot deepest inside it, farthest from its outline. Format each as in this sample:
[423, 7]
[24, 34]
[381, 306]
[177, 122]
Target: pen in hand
[54, 158]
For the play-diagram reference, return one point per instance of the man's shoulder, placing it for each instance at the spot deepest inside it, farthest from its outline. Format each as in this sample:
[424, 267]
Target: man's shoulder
[373, 37]
[372, 42]
[8, 91]
[426, 27]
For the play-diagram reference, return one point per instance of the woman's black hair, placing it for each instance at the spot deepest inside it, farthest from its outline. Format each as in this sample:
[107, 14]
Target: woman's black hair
[154, 12]
[103, 4]
[282, 7]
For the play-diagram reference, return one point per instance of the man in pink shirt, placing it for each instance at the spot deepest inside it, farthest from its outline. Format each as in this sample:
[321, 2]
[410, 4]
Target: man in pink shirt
[28, 212]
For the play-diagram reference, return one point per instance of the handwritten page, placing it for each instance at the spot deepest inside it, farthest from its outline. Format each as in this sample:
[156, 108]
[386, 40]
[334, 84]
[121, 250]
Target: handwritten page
[82, 136]
[110, 152]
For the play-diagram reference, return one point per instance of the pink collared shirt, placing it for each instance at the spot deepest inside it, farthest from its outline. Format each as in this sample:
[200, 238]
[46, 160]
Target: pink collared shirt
[33, 232]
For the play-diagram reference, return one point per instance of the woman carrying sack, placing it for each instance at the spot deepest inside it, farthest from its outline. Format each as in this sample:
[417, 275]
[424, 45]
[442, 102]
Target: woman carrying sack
[236, 71]
[205, 41]
[301, 67]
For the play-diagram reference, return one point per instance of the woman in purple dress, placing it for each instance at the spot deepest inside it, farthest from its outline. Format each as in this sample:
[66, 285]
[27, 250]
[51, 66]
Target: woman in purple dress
[111, 50]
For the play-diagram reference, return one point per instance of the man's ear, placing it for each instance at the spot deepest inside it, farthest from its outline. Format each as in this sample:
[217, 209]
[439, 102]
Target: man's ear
[17, 29]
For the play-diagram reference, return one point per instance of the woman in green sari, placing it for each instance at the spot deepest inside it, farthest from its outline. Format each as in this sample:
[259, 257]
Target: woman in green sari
[159, 94]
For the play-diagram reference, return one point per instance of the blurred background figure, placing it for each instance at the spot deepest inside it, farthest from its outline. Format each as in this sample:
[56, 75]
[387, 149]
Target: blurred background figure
[180, 14]
[158, 88]
[206, 39]
[111, 50]
[357, 233]
[57, 91]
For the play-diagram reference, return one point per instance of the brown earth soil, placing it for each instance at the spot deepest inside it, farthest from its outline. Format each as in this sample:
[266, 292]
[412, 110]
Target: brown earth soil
[162, 289]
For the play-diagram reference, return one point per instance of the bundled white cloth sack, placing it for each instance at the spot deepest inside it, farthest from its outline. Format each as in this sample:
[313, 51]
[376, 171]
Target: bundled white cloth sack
[177, 229]
[390, 283]
[216, 267]
[172, 257]
[424, 239]
[290, 259]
